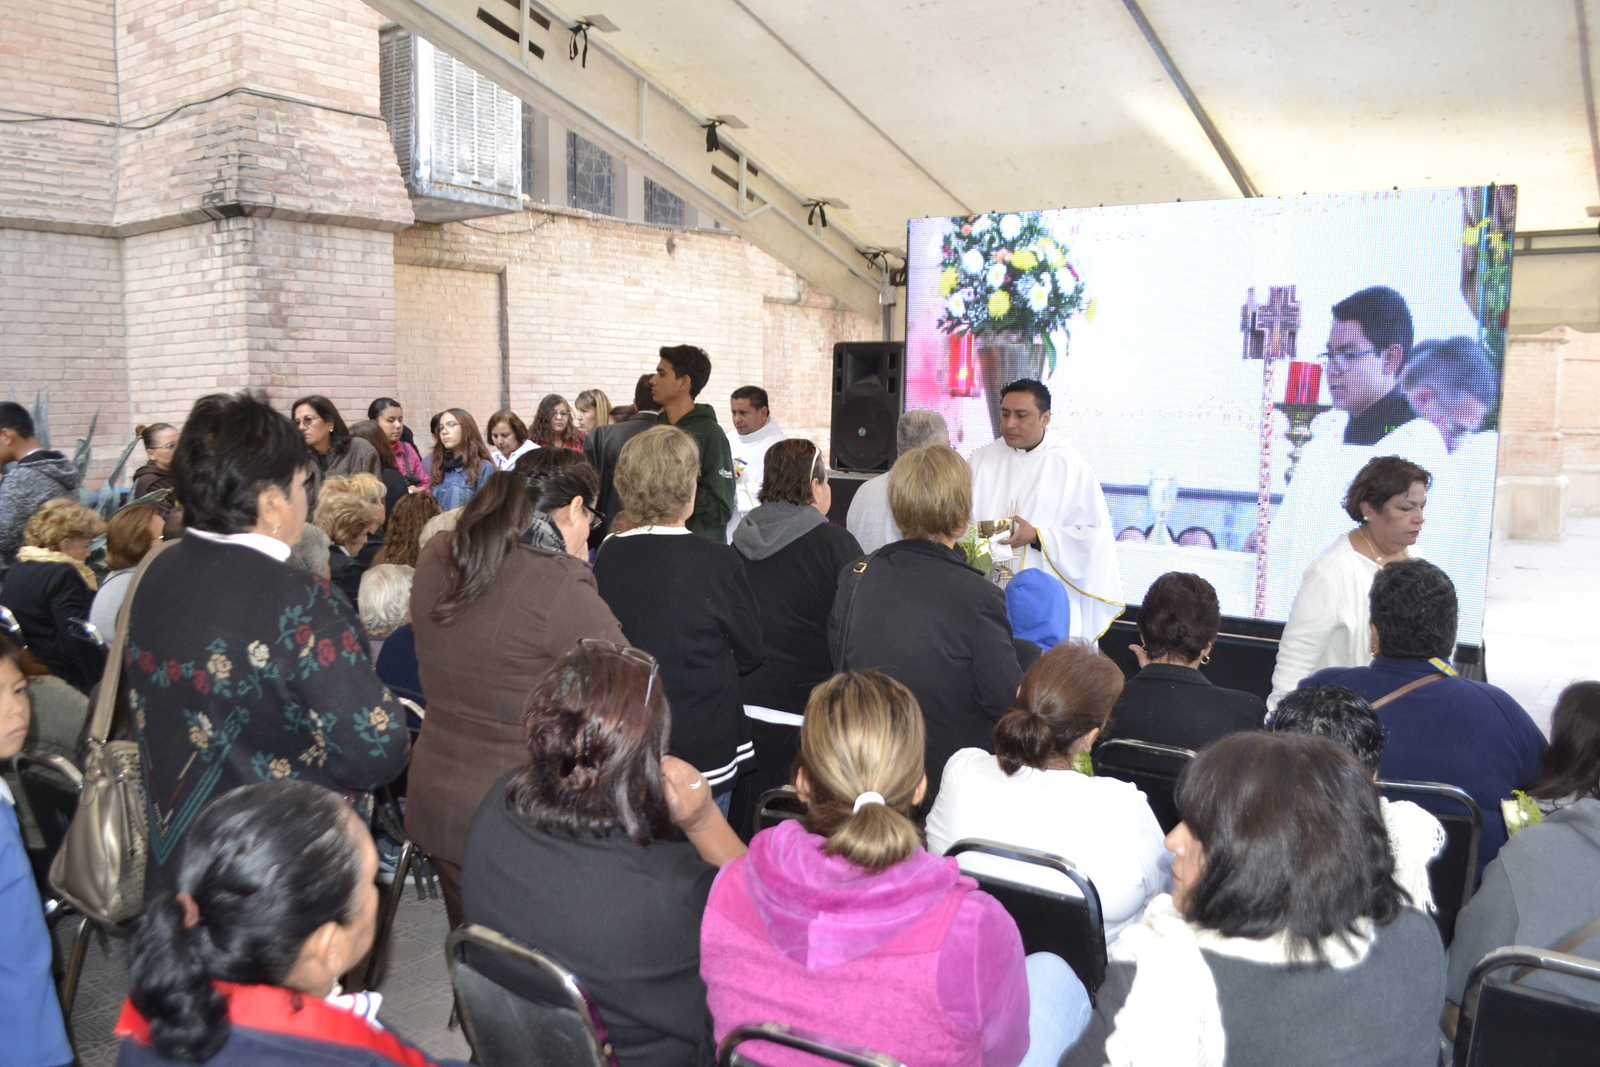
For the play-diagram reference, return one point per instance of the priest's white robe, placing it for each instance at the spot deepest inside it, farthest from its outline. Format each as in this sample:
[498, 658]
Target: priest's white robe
[749, 468]
[1054, 489]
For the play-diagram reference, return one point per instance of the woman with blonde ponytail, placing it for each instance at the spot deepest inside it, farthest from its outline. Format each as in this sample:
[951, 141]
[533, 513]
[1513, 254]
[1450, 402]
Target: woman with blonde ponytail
[1030, 794]
[842, 923]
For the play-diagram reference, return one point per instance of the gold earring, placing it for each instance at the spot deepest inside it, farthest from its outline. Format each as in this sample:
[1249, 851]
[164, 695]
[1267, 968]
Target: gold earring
[1205, 657]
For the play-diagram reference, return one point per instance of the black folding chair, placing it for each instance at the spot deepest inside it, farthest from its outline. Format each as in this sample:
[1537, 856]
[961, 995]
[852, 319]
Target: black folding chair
[1153, 768]
[11, 627]
[1453, 871]
[412, 860]
[519, 1007]
[1070, 925]
[1506, 1022]
[774, 806]
[50, 789]
[828, 1048]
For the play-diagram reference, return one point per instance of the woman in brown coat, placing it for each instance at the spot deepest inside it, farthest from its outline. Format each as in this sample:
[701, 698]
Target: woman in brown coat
[494, 605]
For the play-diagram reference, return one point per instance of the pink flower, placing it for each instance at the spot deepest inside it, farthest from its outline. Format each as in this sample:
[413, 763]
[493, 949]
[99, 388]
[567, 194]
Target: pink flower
[202, 681]
[303, 634]
[174, 672]
[325, 652]
[351, 643]
[147, 662]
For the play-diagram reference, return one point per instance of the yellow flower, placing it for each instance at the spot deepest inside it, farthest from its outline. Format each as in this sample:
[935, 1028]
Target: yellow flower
[199, 738]
[258, 655]
[379, 719]
[220, 666]
[280, 768]
[999, 304]
[1025, 260]
[1094, 306]
[1054, 256]
[947, 281]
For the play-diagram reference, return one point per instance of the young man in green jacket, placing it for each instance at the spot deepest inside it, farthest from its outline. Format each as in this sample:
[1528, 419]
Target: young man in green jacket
[680, 375]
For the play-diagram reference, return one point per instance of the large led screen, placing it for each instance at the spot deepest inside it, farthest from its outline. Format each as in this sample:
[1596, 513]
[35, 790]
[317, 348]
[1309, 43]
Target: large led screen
[1186, 347]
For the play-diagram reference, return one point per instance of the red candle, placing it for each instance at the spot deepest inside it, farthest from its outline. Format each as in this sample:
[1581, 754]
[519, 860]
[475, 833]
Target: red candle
[963, 368]
[1305, 383]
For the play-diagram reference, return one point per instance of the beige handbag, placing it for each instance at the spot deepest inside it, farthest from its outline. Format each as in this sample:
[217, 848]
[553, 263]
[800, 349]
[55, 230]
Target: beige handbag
[100, 867]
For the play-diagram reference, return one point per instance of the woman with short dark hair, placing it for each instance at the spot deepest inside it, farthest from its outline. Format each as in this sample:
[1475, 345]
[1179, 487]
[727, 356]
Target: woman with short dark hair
[1327, 626]
[334, 452]
[240, 667]
[584, 826]
[461, 461]
[1285, 939]
[508, 439]
[494, 604]
[1170, 701]
[1018, 795]
[272, 900]
[160, 441]
[792, 559]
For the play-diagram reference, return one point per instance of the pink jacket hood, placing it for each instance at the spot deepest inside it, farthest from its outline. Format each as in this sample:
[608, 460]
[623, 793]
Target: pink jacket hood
[822, 910]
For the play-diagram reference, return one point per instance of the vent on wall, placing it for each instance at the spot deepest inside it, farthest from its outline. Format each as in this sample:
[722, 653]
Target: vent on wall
[456, 134]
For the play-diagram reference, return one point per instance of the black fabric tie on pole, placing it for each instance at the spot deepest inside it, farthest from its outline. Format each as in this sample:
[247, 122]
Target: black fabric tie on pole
[579, 27]
[712, 142]
[819, 210]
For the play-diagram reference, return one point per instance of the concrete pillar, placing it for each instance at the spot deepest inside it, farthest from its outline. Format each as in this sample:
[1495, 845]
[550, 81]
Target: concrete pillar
[549, 161]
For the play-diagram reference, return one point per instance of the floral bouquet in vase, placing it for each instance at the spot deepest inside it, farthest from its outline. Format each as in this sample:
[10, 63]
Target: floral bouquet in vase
[1007, 283]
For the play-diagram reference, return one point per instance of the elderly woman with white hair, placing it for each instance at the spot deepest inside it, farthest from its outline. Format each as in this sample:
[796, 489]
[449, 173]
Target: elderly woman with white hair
[385, 602]
[869, 517]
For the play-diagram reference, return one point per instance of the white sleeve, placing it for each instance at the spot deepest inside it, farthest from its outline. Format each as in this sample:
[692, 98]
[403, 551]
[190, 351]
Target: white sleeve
[1311, 624]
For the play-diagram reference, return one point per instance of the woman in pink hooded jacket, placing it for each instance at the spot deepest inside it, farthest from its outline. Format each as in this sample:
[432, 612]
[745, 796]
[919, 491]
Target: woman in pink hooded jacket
[843, 924]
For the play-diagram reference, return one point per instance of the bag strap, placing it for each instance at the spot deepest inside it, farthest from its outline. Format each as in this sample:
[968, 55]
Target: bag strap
[857, 569]
[105, 704]
[1389, 698]
[1567, 945]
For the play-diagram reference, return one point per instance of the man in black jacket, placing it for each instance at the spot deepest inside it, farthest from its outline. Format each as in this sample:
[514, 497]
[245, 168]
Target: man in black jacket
[602, 446]
[39, 475]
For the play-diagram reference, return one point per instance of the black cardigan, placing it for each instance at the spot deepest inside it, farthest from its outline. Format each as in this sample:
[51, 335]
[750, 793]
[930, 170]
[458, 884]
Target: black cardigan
[1170, 705]
[794, 588]
[684, 599]
[43, 596]
[935, 624]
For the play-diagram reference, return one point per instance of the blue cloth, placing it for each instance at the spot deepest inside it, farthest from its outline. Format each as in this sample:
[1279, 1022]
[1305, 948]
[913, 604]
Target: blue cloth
[1464, 733]
[397, 666]
[30, 1014]
[453, 491]
[1058, 1008]
[1038, 607]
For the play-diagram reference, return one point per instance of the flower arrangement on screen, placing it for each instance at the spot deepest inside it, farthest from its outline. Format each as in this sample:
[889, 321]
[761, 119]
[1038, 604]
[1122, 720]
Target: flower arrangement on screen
[1007, 273]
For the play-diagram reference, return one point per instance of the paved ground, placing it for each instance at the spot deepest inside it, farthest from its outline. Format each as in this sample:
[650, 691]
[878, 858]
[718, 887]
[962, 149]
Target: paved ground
[1541, 631]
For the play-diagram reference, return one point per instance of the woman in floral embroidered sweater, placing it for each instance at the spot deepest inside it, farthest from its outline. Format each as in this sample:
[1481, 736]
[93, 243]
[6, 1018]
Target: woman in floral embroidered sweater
[240, 668]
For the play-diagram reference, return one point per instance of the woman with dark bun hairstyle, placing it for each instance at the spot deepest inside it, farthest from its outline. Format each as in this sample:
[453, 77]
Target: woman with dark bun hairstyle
[238, 963]
[1030, 793]
[585, 828]
[843, 923]
[1286, 939]
[160, 443]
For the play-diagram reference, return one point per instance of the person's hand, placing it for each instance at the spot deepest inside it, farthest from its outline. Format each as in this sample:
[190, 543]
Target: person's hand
[689, 803]
[1022, 532]
[1141, 655]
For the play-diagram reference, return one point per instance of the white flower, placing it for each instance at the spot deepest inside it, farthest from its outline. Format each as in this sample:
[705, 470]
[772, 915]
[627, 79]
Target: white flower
[1010, 226]
[983, 224]
[1039, 297]
[259, 655]
[956, 305]
[996, 276]
[972, 261]
[1065, 279]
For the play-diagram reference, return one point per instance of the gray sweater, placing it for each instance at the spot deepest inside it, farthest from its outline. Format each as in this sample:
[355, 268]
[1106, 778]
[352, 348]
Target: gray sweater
[1382, 1012]
[41, 476]
[1543, 887]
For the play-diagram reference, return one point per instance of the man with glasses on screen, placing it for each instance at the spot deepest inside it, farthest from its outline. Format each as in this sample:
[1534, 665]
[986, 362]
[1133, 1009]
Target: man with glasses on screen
[1369, 346]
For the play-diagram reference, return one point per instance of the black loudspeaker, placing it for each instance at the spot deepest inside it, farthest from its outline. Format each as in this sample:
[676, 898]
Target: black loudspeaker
[868, 395]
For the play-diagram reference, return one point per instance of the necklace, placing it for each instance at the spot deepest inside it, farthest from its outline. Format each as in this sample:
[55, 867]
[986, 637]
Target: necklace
[1377, 555]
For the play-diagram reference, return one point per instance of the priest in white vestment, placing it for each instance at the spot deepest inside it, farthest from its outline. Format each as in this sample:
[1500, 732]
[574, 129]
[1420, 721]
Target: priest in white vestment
[753, 433]
[1034, 477]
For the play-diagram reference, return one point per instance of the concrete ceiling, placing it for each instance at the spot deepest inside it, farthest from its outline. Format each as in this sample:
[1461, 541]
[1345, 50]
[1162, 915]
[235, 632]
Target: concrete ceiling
[908, 108]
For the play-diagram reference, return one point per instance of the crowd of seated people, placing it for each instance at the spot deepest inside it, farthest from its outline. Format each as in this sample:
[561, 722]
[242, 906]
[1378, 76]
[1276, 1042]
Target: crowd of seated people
[604, 707]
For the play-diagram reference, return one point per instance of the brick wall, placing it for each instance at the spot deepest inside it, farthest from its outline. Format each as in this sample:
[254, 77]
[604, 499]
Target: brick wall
[447, 343]
[590, 302]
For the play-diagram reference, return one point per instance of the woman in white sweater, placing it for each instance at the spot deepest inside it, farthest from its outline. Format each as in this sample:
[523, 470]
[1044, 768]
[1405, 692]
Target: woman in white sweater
[1329, 625]
[1028, 794]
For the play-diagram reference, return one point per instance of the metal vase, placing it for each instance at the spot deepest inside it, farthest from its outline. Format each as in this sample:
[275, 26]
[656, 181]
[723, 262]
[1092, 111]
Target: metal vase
[1003, 357]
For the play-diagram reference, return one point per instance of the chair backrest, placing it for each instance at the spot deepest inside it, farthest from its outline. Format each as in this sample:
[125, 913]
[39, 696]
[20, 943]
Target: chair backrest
[1071, 926]
[11, 627]
[88, 632]
[774, 806]
[1506, 1022]
[520, 1008]
[805, 1040]
[50, 786]
[1453, 871]
[1153, 768]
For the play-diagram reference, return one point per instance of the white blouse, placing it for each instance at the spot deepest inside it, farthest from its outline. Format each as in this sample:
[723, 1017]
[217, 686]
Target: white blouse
[1102, 825]
[1330, 623]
